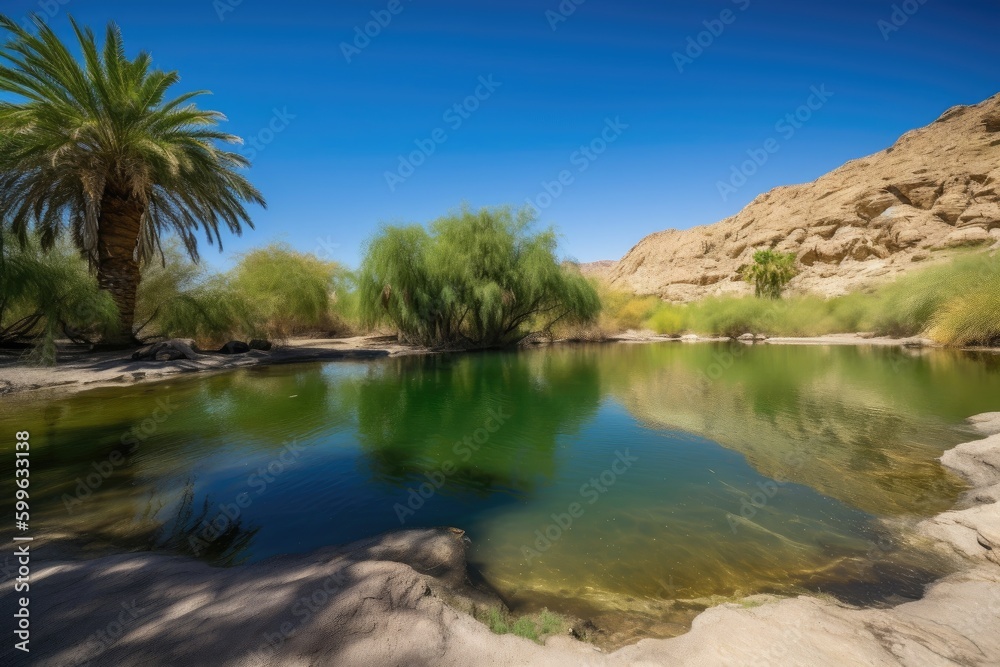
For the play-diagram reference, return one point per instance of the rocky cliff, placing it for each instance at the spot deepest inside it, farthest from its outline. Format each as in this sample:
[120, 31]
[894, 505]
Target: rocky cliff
[935, 191]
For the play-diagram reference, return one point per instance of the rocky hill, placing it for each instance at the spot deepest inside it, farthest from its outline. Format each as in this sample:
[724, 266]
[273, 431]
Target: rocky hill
[935, 191]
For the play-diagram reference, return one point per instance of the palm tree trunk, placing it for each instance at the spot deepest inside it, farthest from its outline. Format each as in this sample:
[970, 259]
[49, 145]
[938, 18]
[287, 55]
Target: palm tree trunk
[117, 265]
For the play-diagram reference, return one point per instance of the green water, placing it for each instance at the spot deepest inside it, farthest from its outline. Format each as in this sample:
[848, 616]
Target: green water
[677, 472]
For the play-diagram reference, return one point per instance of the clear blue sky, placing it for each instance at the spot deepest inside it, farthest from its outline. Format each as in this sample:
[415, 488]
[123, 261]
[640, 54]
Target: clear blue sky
[324, 174]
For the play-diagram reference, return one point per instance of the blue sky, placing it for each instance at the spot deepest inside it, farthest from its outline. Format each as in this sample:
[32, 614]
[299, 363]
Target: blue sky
[596, 98]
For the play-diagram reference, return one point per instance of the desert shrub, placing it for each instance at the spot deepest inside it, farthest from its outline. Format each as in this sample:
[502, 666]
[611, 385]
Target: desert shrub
[972, 315]
[669, 318]
[727, 316]
[272, 292]
[46, 295]
[475, 279]
[289, 292]
[907, 307]
[623, 311]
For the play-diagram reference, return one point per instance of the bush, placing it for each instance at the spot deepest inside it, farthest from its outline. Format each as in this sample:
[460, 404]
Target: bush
[732, 317]
[475, 279]
[908, 306]
[272, 292]
[972, 316]
[44, 295]
[180, 299]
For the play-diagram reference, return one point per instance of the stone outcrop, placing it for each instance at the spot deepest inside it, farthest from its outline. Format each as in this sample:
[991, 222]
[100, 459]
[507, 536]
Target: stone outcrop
[936, 190]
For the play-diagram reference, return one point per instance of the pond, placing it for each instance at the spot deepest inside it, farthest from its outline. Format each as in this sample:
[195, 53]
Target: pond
[631, 484]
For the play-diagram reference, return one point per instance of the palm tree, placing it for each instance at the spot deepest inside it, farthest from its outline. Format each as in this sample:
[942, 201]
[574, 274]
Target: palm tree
[93, 146]
[770, 272]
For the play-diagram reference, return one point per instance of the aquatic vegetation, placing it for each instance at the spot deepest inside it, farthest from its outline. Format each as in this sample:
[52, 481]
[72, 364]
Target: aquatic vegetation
[535, 627]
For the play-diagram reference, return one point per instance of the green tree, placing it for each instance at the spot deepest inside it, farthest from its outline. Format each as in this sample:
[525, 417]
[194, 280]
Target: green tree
[95, 146]
[770, 272]
[475, 279]
[45, 295]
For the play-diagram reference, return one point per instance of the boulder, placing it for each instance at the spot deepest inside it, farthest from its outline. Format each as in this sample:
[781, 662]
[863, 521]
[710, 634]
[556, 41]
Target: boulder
[234, 347]
[168, 350]
[260, 344]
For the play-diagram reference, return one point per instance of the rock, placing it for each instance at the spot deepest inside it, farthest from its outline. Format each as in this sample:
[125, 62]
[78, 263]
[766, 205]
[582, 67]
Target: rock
[760, 338]
[874, 205]
[988, 423]
[168, 350]
[989, 536]
[984, 214]
[846, 227]
[747, 337]
[259, 344]
[968, 236]
[866, 335]
[950, 206]
[234, 347]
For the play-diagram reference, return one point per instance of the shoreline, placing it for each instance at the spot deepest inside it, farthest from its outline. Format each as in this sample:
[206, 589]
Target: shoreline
[406, 598]
[80, 371]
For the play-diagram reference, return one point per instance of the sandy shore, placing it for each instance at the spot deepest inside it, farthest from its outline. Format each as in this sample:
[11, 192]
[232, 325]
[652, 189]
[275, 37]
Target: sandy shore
[77, 371]
[405, 599]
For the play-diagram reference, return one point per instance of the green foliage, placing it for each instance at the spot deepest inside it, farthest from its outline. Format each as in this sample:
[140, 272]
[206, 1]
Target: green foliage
[47, 295]
[770, 272]
[272, 292]
[954, 303]
[908, 306]
[288, 291]
[102, 123]
[972, 315]
[475, 279]
[534, 627]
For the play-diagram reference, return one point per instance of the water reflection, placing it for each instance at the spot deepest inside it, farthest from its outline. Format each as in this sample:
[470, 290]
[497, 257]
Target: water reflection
[758, 468]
